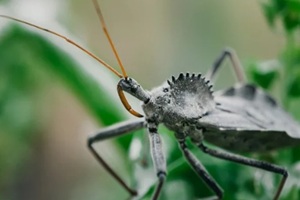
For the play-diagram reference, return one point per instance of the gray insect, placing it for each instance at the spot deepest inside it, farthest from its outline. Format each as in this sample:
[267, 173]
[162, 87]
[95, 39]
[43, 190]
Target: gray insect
[242, 118]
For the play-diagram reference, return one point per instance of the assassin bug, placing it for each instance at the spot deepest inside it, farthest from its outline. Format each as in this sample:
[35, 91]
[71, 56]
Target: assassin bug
[240, 119]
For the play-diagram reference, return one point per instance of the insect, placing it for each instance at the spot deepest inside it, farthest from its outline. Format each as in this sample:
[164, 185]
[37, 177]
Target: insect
[242, 118]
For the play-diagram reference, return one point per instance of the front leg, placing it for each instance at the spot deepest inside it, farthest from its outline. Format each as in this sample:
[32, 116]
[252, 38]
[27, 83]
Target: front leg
[115, 131]
[201, 171]
[158, 158]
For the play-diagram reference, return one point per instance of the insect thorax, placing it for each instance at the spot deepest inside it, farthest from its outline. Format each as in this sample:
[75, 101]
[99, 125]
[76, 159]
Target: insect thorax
[180, 102]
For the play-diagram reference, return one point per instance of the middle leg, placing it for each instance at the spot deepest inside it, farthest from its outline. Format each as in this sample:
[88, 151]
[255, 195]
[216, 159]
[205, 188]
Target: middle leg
[250, 162]
[201, 171]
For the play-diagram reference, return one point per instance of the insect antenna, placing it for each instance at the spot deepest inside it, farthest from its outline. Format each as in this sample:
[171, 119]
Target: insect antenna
[69, 41]
[123, 75]
[101, 18]
[120, 90]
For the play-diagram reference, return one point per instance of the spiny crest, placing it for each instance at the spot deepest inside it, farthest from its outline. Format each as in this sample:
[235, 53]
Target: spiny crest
[192, 92]
[193, 83]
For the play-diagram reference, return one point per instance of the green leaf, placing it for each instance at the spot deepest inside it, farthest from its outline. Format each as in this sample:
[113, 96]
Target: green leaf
[291, 21]
[44, 54]
[29, 63]
[293, 89]
[270, 13]
[264, 74]
[287, 11]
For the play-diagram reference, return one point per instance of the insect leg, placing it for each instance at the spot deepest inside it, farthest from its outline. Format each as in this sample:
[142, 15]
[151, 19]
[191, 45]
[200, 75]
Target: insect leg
[158, 159]
[237, 67]
[114, 131]
[201, 171]
[250, 162]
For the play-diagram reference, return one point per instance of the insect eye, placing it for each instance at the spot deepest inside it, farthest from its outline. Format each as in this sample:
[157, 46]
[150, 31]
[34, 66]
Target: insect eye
[134, 89]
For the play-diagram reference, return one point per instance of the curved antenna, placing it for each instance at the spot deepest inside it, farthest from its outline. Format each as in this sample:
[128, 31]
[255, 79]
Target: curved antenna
[119, 89]
[99, 13]
[69, 41]
[123, 75]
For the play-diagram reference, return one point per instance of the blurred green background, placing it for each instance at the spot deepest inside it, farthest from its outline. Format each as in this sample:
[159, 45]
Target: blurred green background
[52, 96]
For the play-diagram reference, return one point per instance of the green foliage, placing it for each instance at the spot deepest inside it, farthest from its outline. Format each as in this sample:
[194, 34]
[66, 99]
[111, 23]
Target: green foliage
[288, 11]
[18, 109]
[287, 67]
[263, 74]
[29, 64]
[291, 62]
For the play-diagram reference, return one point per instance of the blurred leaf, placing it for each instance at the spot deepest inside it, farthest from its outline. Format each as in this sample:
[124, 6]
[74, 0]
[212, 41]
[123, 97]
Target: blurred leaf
[293, 194]
[286, 10]
[67, 68]
[292, 16]
[294, 5]
[294, 85]
[291, 59]
[4, 1]
[293, 184]
[270, 13]
[291, 21]
[264, 74]
[28, 64]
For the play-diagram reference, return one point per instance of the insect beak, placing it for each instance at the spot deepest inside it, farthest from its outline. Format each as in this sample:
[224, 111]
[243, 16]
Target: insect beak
[125, 84]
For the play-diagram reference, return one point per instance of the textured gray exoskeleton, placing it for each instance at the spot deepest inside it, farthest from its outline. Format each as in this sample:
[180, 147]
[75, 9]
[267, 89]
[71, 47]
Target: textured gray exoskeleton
[242, 118]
